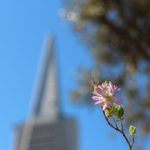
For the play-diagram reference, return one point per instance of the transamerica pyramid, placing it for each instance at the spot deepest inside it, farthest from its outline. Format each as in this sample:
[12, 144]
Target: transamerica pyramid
[47, 128]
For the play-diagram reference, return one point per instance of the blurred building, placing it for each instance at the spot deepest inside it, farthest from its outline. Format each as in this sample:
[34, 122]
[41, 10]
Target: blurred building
[47, 128]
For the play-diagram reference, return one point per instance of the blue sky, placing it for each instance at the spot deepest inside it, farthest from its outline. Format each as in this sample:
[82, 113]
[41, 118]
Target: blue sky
[23, 27]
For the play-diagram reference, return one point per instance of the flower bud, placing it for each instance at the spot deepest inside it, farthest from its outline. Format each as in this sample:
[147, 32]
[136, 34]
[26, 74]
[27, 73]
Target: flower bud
[132, 130]
[118, 111]
[108, 112]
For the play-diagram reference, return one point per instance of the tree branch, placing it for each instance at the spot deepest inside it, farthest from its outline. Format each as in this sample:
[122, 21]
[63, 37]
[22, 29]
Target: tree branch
[122, 34]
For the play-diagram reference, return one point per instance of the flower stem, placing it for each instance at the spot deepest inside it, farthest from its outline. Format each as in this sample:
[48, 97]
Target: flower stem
[115, 122]
[120, 130]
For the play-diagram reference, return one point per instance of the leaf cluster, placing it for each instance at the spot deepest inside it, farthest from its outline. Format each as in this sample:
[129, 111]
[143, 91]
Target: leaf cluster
[117, 35]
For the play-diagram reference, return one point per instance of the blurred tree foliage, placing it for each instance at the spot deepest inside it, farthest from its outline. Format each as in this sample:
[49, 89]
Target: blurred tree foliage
[117, 34]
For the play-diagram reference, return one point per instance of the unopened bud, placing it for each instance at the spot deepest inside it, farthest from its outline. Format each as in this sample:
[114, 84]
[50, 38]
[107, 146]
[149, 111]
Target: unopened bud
[108, 112]
[118, 111]
[132, 130]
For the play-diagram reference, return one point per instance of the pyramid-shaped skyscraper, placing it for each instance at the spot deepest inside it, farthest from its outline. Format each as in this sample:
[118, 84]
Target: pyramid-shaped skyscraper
[47, 128]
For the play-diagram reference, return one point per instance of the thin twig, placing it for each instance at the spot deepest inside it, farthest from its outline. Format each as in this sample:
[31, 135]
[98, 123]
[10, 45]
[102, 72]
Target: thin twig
[122, 126]
[115, 122]
[123, 133]
[110, 123]
[120, 130]
[132, 141]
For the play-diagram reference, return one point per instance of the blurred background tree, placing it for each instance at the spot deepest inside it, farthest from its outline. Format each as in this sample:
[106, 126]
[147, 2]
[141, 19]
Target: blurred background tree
[117, 34]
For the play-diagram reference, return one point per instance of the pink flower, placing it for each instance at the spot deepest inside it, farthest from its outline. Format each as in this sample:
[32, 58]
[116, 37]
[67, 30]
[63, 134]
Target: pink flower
[105, 95]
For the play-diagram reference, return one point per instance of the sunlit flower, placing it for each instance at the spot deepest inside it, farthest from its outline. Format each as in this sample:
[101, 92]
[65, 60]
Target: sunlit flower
[105, 95]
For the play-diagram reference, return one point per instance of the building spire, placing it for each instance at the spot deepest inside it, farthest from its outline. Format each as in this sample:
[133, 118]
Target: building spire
[45, 98]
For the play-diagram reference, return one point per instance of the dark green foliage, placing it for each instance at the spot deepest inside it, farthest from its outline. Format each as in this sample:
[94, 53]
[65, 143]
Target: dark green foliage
[117, 34]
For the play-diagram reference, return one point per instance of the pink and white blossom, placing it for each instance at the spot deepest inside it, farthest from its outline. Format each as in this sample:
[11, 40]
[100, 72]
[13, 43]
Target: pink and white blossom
[105, 95]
